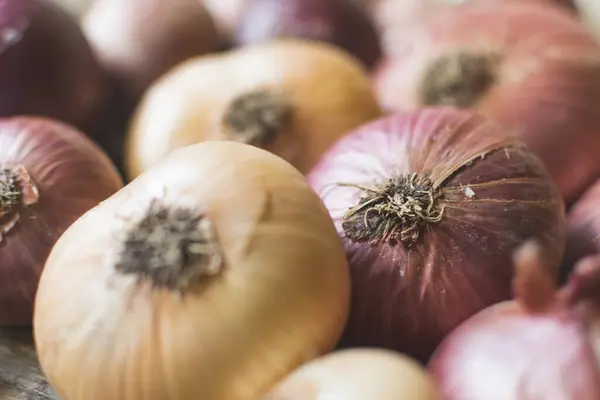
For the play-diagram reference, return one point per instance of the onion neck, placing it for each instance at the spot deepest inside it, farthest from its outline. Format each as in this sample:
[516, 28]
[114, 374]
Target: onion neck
[459, 79]
[396, 212]
[533, 286]
[171, 247]
[257, 117]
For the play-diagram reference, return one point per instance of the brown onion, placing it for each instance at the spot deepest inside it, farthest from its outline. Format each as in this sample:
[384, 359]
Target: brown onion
[533, 69]
[46, 66]
[430, 205]
[357, 374]
[340, 22]
[541, 346]
[291, 97]
[139, 40]
[211, 276]
[50, 174]
[583, 228]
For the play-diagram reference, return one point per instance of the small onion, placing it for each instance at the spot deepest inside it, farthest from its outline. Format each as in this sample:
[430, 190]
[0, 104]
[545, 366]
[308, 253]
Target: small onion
[211, 276]
[542, 346]
[291, 97]
[583, 228]
[139, 40]
[46, 66]
[50, 174]
[357, 374]
[531, 68]
[430, 206]
[340, 22]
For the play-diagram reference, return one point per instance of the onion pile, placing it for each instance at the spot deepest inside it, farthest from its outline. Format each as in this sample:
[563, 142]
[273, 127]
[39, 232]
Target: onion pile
[139, 40]
[291, 97]
[46, 66]
[211, 276]
[341, 22]
[430, 206]
[50, 174]
[545, 345]
[533, 69]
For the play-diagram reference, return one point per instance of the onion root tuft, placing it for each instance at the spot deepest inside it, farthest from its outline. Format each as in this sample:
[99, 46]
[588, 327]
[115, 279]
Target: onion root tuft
[173, 247]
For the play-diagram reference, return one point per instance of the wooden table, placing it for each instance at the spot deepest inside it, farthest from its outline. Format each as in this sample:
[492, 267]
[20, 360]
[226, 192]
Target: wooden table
[20, 375]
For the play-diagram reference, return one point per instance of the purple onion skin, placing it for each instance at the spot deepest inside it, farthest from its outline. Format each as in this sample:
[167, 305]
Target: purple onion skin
[47, 68]
[583, 229]
[504, 353]
[340, 22]
[409, 298]
[72, 175]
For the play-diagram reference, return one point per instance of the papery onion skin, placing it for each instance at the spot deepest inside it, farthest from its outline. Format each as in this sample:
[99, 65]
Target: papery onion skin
[139, 40]
[322, 91]
[47, 68]
[280, 298]
[340, 22]
[583, 228]
[493, 194]
[509, 351]
[68, 176]
[357, 374]
[533, 69]
[227, 15]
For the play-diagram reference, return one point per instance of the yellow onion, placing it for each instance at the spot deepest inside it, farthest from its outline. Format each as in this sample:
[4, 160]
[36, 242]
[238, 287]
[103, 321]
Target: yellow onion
[211, 276]
[291, 97]
[357, 374]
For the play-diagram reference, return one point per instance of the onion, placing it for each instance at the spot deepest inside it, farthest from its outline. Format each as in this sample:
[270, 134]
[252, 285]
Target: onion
[202, 279]
[50, 174]
[291, 97]
[358, 374]
[76, 7]
[430, 206]
[589, 12]
[46, 66]
[340, 22]
[227, 14]
[533, 69]
[542, 346]
[583, 228]
[139, 40]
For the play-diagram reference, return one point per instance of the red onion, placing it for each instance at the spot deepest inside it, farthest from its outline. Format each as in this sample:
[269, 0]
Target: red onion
[583, 228]
[50, 174]
[531, 68]
[46, 65]
[340, 22]
[139, 40]
[542, 346]
[430, 206]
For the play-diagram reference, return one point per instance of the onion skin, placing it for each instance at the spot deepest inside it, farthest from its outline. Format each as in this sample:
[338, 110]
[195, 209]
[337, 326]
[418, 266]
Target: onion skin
[139, 40]
[70, 175]
[46, 66]
[76, 7]
[539, 75]
[227, 15]
[408, 296]
[339, 22]
[583, 228]
[357, 374]
[326, 92]
[280, 299]
[509, 351]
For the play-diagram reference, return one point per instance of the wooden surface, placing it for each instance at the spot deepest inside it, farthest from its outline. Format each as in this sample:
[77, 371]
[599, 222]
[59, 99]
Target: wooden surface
[20, 374]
